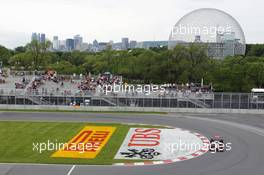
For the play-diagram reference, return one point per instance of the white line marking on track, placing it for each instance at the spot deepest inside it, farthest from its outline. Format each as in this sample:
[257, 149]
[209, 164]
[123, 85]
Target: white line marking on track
[72, 168]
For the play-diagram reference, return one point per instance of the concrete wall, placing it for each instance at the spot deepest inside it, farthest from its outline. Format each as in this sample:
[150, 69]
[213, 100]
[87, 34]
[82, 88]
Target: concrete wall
[134, 109]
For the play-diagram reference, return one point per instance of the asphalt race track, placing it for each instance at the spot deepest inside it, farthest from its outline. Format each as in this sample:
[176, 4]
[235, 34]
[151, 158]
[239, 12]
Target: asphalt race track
[245, 132]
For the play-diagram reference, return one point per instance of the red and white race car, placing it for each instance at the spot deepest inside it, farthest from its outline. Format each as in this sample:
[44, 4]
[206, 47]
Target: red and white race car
[217, 144]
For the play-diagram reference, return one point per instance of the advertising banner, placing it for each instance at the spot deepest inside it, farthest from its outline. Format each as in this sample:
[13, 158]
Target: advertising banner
[158, 144]
[87, 143]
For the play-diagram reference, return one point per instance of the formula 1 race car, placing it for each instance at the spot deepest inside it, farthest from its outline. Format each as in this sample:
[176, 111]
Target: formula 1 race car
[217, 144]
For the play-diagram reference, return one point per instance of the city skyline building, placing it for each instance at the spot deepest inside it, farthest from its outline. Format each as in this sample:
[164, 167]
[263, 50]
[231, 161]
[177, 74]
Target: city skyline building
[125, 43]
[78, 41]
[132, 44]
[56, 43]
[40, 37]
[152, 44]
[69, 44]
[34, 36]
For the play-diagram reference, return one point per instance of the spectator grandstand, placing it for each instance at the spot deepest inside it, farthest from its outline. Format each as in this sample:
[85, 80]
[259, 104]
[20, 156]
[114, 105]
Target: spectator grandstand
[49, 88]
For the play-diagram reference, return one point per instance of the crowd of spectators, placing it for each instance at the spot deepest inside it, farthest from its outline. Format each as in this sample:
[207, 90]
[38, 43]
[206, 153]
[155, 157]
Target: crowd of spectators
[91, 83]
[2, 77]
[51, 84]
[187, 90]
[190, 87]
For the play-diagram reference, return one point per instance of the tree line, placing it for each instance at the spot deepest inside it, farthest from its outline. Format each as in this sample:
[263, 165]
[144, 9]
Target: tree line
[157, 65]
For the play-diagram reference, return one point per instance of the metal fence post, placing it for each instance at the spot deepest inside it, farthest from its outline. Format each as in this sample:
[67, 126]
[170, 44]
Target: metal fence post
[213, 103]
[239, 101]
[249, 106]
[222, 100]
[231, 101]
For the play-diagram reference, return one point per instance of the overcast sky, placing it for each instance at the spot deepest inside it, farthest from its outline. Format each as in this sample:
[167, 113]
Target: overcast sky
[106, 20]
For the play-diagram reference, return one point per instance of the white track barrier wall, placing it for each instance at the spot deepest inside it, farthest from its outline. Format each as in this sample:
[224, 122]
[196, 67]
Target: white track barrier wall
[130, 109]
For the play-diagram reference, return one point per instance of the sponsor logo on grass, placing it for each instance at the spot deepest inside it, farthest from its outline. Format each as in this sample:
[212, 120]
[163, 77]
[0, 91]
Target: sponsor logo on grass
[87, 143]
[158, 144]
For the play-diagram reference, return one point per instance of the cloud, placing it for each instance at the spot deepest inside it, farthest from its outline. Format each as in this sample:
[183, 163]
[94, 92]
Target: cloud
[112, 19]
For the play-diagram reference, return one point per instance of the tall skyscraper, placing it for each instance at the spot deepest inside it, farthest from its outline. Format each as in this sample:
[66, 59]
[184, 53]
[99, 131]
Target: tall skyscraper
[42, 38]
[69, 44]
[56, 43]
[34, 36]
[78, 41]
[132, 44]
[125, 43]
[95, 43]
[38, 37]
[62, 45]
[95, 47]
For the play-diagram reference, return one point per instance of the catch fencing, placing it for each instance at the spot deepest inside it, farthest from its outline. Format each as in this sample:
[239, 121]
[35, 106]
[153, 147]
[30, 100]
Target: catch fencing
[170, 100]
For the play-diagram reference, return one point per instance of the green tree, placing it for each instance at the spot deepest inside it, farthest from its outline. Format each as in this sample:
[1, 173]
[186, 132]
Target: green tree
[255, 50]
[38, 51]
[21, 61]
[5, 54]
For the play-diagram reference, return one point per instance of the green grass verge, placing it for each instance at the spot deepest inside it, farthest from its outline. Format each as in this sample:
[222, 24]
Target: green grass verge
[17, 140]
[80, 111]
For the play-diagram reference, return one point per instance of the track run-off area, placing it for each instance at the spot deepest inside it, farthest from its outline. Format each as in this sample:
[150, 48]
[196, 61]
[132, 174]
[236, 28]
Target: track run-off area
[245, 133]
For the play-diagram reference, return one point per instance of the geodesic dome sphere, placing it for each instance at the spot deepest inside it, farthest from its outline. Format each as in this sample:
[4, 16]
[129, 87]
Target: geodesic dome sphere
[207, 26]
